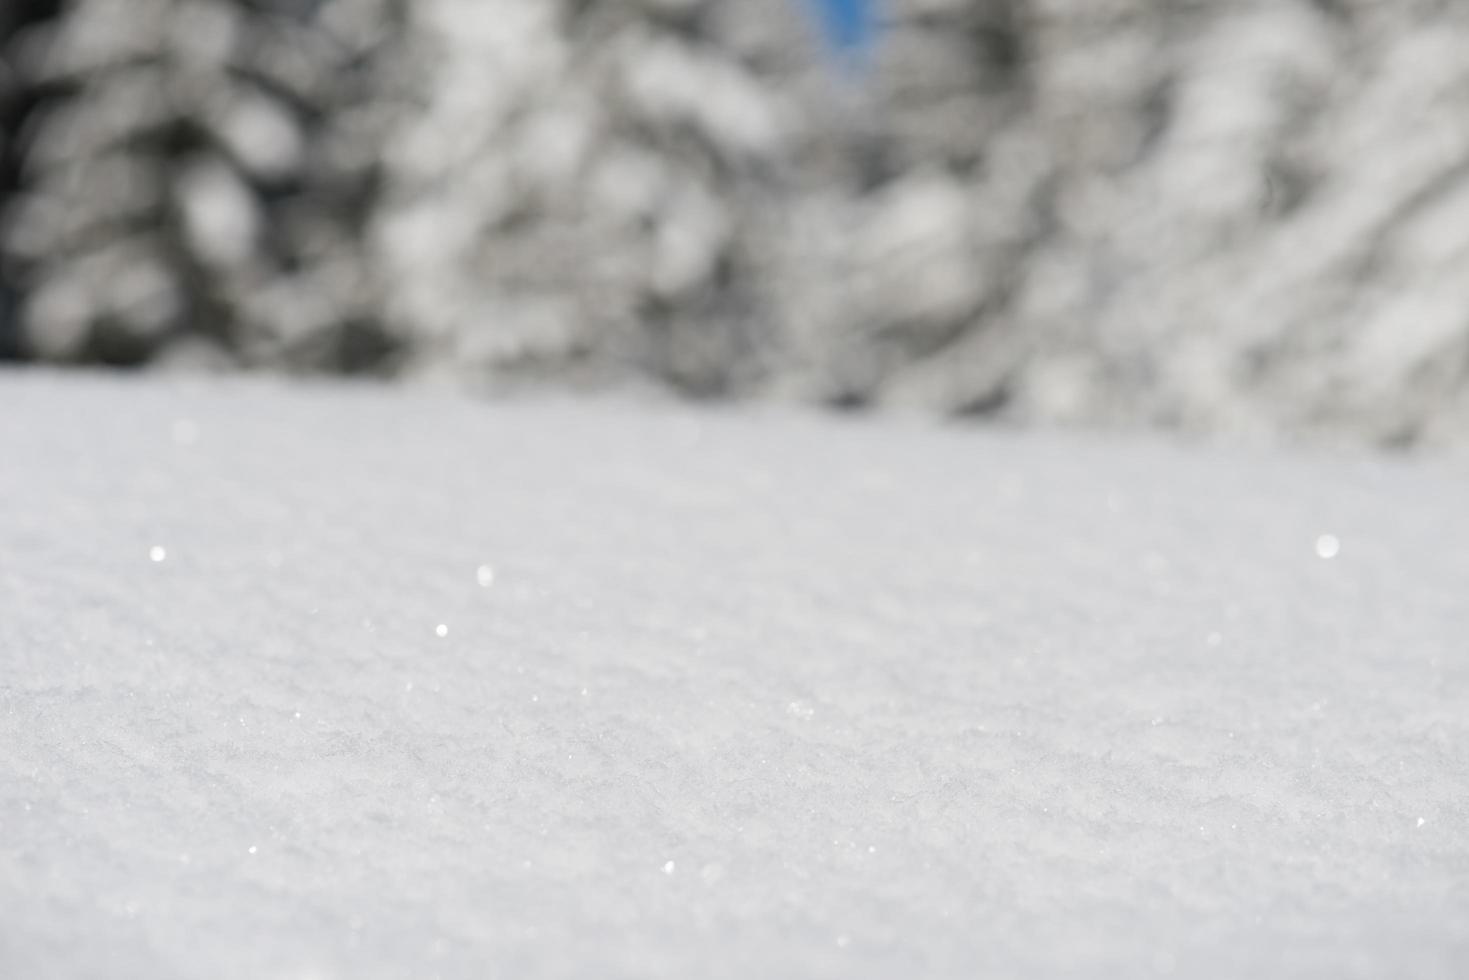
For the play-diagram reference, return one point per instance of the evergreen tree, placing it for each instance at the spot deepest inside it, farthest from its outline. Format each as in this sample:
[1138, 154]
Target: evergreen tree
[193, 176]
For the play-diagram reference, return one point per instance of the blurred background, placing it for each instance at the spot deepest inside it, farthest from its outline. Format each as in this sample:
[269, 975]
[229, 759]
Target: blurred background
[1232, 219]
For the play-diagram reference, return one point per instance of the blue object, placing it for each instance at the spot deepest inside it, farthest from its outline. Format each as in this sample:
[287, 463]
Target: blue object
[849, 27]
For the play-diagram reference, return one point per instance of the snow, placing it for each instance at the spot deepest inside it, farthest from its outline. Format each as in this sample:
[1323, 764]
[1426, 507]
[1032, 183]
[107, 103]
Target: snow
[320, 682]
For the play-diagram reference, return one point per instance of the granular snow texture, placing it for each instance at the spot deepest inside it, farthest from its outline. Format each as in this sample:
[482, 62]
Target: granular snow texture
[331, 683]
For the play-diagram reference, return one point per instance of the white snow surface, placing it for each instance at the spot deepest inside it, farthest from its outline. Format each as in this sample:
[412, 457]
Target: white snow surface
[327, 682]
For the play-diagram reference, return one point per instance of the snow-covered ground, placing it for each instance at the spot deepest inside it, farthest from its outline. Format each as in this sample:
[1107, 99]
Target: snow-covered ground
[340, 683]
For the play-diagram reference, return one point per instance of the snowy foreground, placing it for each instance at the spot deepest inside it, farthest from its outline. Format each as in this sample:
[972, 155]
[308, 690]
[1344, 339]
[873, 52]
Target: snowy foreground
[332, 683]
